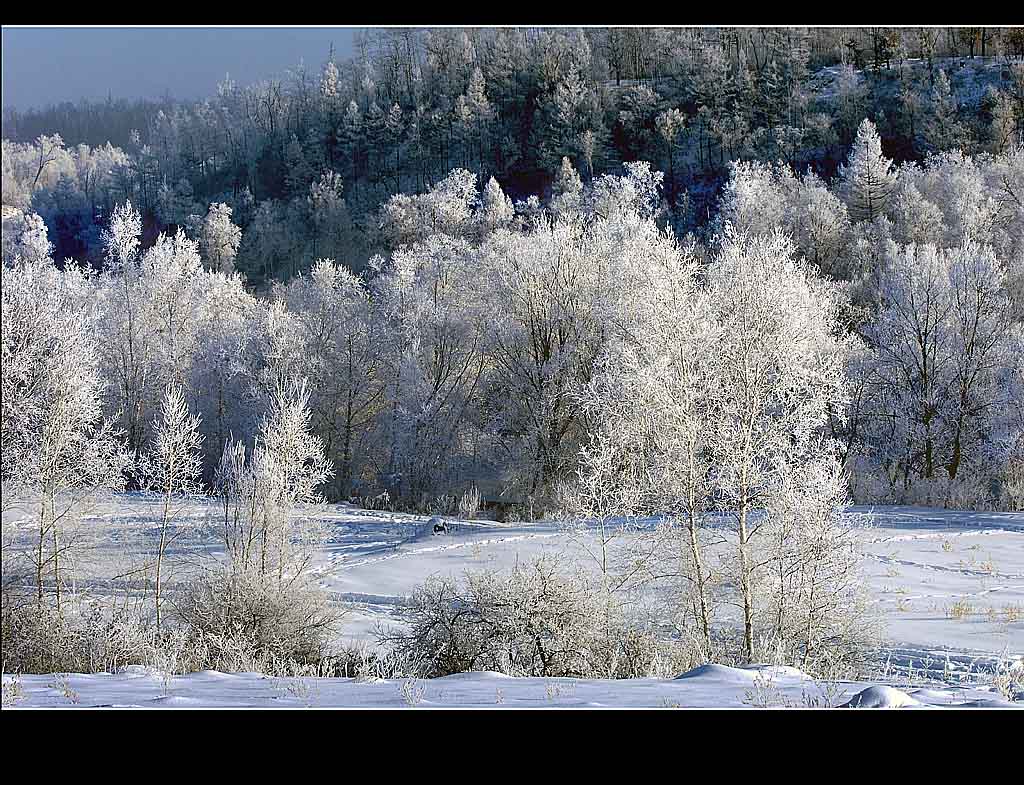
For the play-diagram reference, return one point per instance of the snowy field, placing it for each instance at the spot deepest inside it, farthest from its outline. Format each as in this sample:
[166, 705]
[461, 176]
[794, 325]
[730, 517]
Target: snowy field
[949, 587]
[715, 686]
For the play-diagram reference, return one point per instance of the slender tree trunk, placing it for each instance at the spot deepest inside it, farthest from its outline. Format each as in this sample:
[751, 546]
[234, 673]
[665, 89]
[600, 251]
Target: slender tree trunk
[705, 616]
[54, 530]
[39, 552]
[162, 547]
[746, 584]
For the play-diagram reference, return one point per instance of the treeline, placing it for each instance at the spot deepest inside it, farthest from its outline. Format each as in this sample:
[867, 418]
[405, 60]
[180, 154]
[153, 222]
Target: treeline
[413, 104]
[86, 121]
[460, 359]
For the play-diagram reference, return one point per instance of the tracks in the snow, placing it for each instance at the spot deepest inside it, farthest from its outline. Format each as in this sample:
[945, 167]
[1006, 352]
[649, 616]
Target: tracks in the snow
[956, 570]
[338, 562]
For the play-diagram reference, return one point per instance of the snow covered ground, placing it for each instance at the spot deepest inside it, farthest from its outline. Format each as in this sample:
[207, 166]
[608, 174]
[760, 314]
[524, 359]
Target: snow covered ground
[707, 686]
[950, 588]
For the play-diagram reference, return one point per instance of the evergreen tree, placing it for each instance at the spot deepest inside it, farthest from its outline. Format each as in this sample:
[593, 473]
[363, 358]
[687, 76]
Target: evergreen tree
[867, 179]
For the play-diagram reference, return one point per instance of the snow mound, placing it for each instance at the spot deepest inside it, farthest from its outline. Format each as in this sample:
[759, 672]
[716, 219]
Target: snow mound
[880, 697]
[472, 676]
[932, 696]
[719, 673]
[209, 674]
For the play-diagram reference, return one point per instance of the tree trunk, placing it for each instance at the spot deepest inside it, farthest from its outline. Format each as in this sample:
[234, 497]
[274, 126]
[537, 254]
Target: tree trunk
[746, 585]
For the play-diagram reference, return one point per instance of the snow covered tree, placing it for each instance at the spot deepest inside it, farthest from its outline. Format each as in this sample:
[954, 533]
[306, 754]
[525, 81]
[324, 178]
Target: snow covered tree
[263, 607]
[713, 399]
[219, 238]
[1002, 126]
[342, 348]
[221, 373]
[547, 293]
[175, 204]
[866, 179]
[271, 241]
[447, 208]
[289, 466]
[936, 389]
[124, 343]
[779, 373]
[265, 532]
[815, 613]
[428, 297]
[174, 467]
[943, 129]
[474, 113]
[24, 237]
[330, 216]
[647, 450]
[496, 210]
[567, 190]
[58, 451]
[758, 198]
[147, 337]
[671, 124]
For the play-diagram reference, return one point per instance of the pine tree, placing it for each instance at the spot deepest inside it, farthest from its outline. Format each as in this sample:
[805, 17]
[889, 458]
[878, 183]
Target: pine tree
[567, 190]
[495, 208]
[1002, 129]
[867, 179]
[943, 129]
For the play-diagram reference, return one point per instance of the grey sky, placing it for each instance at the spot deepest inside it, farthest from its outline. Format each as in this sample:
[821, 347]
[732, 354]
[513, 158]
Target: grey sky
[46, 65]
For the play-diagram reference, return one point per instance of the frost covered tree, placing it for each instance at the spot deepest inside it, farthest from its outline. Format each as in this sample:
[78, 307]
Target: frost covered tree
[671, 124]
[1011, 480]
[540, 337]
[263, 492]
[779, 373]
[128, 347]
[434, 363]
[219, 238]
[447, 208]
[272, 240]
[758, 198]
[222, 369]
[24, 237]
[148, 334]
[174, 204]
[332, 224]
[547, 293]
[815, 612]
[289, 466]
[647, 446]
[496, 210]
[1002, 124]
[866, 179]
[939, 352]
[943, 129]
[713, 399]
[474, 113]
[342, 341]
[567, 190]
[262, 607]
[174, 467]
[58, 451]
[962, 197]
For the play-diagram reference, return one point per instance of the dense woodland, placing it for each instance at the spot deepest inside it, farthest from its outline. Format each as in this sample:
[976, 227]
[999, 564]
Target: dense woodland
[414, 104]
[597, 273]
